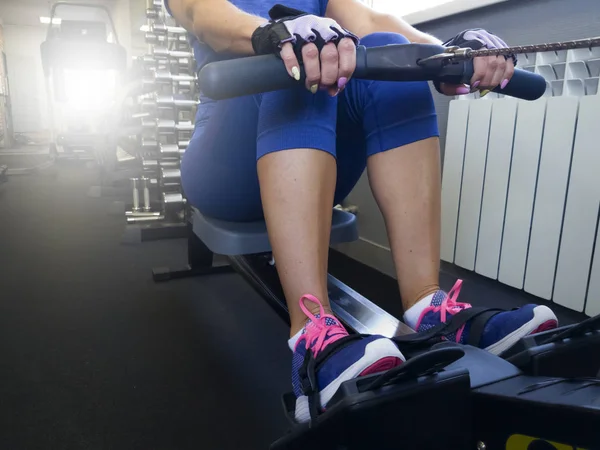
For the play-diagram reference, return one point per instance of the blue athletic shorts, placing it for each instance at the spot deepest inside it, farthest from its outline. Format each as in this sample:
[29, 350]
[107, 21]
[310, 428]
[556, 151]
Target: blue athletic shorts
[218, 170]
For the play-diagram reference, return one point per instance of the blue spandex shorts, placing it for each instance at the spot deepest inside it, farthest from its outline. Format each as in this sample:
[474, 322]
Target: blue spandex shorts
[219, 173]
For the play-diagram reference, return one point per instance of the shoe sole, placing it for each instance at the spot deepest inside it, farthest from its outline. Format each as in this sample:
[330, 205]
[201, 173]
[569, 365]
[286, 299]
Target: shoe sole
[379, 355]
[543, 320]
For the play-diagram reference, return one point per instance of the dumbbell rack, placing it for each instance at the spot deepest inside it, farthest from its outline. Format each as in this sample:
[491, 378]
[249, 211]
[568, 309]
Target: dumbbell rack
[167, 110]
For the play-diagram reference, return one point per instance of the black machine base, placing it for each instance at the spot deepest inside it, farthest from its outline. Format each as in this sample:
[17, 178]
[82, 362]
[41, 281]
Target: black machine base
[398, 415]
[447, 401]
[571, 351]
[160, 274]
[200, 261]
[156, 231]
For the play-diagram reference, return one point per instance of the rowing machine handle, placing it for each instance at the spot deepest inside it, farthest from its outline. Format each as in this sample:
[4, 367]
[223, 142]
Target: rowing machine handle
[257, 74]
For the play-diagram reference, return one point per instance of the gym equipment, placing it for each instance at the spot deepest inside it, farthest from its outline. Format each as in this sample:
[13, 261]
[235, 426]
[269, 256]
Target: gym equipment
[166, 105]
[544, 391]
[398, 62]
[82, 62]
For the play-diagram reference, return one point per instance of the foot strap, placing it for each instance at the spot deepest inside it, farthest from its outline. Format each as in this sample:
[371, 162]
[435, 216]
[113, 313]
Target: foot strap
[478, 316]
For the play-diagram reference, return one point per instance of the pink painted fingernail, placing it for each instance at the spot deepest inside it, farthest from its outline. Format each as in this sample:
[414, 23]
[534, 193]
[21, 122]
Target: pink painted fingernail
[504, 83]
[342, 82]
[462, 90]
[477, 83]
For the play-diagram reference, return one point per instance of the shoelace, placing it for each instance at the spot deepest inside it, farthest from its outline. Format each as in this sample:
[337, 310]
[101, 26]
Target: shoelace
[450, 305]
[318, 328]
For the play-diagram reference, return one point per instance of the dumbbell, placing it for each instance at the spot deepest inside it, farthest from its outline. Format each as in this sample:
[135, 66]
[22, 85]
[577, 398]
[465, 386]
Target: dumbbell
[170, 175]
[150, 62]
[165, 100]
[154, 38]
[161, 28]
[162, 52]
[172, 199]
[170, 162]
[168, 125]
[161, 76]
[185, 88]
[140, 184]
[168, 101]
[149, 144]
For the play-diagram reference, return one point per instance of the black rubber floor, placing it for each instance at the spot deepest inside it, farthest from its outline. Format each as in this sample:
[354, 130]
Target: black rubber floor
[94, 355]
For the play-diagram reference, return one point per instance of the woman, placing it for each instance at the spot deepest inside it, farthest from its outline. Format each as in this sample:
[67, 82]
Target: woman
[289, 156]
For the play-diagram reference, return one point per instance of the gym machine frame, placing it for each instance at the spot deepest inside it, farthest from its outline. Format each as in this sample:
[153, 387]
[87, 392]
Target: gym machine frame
[541, 393]
[61, 52]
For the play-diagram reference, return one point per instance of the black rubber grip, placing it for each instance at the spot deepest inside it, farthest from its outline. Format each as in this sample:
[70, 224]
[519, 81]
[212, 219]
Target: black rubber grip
[245, 76]
[257, 74]
[523, 84]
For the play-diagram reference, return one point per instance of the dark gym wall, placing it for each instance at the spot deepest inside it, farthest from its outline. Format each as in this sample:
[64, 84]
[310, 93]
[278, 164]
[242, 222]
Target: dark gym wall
[517, 22]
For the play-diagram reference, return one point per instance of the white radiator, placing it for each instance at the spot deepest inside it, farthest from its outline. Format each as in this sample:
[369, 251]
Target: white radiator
[521, 184]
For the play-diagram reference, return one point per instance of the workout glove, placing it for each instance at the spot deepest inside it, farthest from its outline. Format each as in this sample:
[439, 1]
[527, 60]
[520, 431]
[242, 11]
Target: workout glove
[298, 28]
[476, 39]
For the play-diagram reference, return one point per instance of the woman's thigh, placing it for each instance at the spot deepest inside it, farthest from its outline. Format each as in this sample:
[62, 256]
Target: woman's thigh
[377, 116]
[218, 169]
[219, 174]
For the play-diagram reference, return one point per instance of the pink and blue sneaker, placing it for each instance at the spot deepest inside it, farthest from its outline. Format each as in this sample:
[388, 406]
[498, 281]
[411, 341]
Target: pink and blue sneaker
[325, 356]
[495, 331]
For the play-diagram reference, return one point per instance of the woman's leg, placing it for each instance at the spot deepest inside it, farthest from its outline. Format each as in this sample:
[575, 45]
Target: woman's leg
[406, 184]
[297, 174]
[295, 147]
[297, 193]
[400, 126]
[292, 134]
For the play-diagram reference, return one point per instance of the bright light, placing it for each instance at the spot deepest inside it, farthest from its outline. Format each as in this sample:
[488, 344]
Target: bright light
[403, 8]
[145, 28]
[90, 89]
[46, 20]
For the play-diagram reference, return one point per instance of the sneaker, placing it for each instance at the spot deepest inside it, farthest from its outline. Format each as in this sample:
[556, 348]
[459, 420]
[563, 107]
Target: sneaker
[500, 333]
[353, 357]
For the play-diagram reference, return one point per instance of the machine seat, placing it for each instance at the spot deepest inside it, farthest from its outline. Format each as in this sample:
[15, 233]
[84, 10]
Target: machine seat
[246, 238]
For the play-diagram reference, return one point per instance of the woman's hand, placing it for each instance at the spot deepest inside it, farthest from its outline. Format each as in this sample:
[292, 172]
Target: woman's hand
[327, 50]
[489, 71]
[329, 69]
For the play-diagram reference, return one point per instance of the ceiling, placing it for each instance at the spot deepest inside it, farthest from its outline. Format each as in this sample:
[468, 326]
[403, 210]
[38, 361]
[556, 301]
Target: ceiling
[28, 12]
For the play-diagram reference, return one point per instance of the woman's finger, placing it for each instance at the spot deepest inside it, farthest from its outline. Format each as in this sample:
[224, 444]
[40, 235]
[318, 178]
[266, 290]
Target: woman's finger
[508, 73]
[498, 76]
[312, 67]
[291, 62]
[490, 71]
[347, 63]
[329, 65]
[479, 72]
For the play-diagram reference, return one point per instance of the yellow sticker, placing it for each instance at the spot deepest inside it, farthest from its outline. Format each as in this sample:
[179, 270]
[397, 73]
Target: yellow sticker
[522, 442]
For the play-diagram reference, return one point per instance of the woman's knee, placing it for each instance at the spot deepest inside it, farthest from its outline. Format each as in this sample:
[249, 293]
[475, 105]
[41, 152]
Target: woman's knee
[221, 192]
[383, 38]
